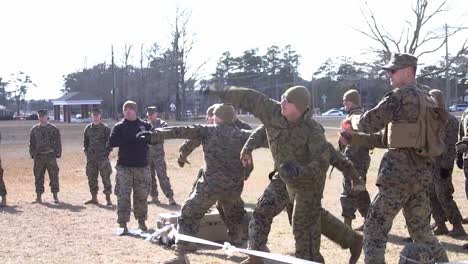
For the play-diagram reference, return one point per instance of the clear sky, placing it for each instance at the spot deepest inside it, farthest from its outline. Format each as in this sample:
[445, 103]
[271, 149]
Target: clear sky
[48, 39]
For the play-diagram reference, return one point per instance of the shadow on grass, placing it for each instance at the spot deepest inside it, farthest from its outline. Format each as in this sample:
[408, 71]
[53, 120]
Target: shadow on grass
[64, 206]
[169, 207]
[10, 209]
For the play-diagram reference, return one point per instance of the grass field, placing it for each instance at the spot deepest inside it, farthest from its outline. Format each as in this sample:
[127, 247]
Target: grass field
[73, 233]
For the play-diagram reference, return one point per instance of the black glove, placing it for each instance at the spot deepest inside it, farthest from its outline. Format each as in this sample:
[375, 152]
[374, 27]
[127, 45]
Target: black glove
[460, 160]
[288, 171]
[445, 173]
[144, 137]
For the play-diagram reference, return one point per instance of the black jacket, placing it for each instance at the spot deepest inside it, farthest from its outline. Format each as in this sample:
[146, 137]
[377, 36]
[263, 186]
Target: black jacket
[131, 152]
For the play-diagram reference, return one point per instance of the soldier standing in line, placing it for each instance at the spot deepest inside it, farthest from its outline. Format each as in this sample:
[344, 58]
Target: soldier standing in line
[45, 146]
[222, 180]
[97, 153]
[300, 152]
[275, 198]
[404, 173]
[359, 156]
[133, 173]
[441, 190]
[3, 190]
[157, 162]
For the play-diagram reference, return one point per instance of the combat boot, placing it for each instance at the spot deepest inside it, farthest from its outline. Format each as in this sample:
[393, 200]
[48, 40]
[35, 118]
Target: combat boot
[441, 229]
[3, 202]
[457, 230]
[355, 249]
[348, 221]
[38, 198]
[108, 200]
[56, 199]
[465, 220]
[171, 201]
[93, 200]
[124, 226]
[253, 260]
[142, 225]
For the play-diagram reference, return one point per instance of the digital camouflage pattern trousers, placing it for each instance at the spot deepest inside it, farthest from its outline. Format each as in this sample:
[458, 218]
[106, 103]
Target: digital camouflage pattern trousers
[159, 168]
[41, 164]
[273, 201]
[93, 169]
[128, 180]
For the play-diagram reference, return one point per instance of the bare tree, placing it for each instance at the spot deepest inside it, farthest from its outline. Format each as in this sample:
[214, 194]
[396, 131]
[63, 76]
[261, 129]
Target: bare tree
[181, 48]
[19, 84]
[415, 38]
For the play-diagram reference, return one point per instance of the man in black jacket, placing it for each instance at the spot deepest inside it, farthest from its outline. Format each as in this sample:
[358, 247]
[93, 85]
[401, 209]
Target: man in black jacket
[133, 173]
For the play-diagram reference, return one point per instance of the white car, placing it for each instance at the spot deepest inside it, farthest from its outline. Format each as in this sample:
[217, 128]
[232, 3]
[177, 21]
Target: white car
[333, 112]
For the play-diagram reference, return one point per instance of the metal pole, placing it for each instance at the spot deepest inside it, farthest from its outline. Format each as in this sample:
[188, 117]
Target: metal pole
[114, 115]
[447, 81]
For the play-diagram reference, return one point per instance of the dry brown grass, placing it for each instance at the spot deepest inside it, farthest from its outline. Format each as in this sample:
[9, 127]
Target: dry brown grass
[74, 233]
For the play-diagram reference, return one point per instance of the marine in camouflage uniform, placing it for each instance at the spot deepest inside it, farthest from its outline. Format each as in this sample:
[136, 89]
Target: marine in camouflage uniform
[404, 175]
[3, 190]
[275, 198]
[157, 162]
[462, 151]
[300, 153]
[97, 151]
[443, 206]
[45, 147]
[190, 145]
[222, 180]
[359, 156]
[133, 173]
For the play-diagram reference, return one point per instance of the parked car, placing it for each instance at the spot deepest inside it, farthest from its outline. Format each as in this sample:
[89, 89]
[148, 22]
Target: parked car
[334, 112]
[458, 107]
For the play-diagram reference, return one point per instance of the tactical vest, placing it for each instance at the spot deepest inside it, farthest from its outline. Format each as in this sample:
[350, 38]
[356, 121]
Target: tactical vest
[426, 135]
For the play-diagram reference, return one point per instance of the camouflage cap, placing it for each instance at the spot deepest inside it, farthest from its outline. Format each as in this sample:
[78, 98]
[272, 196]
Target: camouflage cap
[42, 112]
[416, 253]
[400, 61]
[96, 110]
[439, 97]
[226, 112]
[151, 110]
[210, 110]
[299, 96]
[129, 104]
[352, 96]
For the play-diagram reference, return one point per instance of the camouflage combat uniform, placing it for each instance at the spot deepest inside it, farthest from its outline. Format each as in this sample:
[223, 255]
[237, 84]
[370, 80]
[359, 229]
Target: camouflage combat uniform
[301, 144]
[97, 157]
[463, 134]
[157, 162]
[222, 179]
[45, 147]
[190, 145]
[359, 156]
[133, 173]
[403, 179]
[3, 190]
[443, 206]
[275, 198]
